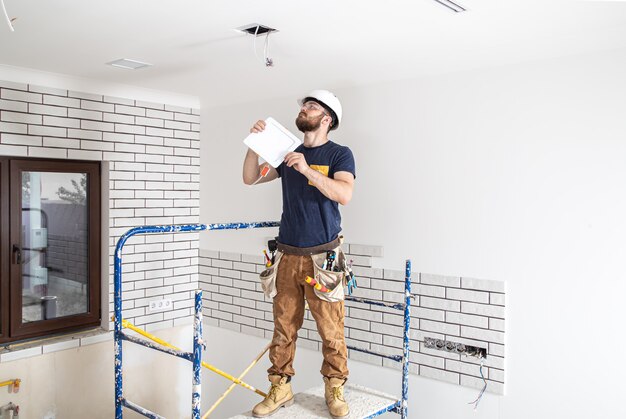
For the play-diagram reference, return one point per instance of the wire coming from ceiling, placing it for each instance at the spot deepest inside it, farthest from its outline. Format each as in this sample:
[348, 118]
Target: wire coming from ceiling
[6, 16]
[267, 61]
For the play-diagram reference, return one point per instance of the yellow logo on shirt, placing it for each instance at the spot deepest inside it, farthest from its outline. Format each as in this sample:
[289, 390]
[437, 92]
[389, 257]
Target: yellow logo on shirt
[322, 169]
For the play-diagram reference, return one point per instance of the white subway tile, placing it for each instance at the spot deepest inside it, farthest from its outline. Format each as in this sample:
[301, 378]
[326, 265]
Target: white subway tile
[119, 100]
[61, 142]
[427, 313]
[84, 155]
[13, 85]
[496, 299]
[114, 156]
[130, 129]
[363, 250]
[428, 290]
[187, 118]
[17, 139]
[130, 110]
[188, 135]
[61, 101]
[159, 132]
[84, 135]
[84, 114]
[467, 320]
[130, 148]
[467, 295]
[151, 105]
[47, 131]
[482, 334]
[10, 105]
[49, 153]
[441, 280]
[117, 137]
[20, 96]
[440, 304]
[47, 110]
[23, 118]
[97, 106]
[482, 309]
[482, 284]
[175, 142]
[496, 324]
[83, 95]
[96, 145]
[184, 126]
[495, 349]
[143, 139]
[56, 121]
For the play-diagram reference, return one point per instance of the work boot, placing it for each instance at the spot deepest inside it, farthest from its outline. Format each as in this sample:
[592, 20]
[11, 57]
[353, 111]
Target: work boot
[278, 396]
[333, 393]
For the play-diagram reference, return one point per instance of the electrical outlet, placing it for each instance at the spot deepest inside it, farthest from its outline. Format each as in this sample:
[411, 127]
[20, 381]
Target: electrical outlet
[160, 305]
[455, 347]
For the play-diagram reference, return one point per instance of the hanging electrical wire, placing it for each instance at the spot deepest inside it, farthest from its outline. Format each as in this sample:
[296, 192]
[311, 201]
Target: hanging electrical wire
[267, 61]
[482, 392]
[6, 16]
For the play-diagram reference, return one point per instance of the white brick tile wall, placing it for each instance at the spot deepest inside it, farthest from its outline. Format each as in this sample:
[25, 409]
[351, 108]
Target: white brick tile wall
[442, 309]
[37, 121]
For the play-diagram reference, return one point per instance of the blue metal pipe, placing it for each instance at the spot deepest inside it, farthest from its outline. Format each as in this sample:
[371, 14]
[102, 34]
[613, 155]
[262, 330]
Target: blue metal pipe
[142, 411]
[396, 306]
[391, 408]
[407, 325]
[180, 354]
[196, 387]
[397, 358]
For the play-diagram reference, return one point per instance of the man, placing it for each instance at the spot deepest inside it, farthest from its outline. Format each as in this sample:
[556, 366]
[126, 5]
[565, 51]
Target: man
[316, 177]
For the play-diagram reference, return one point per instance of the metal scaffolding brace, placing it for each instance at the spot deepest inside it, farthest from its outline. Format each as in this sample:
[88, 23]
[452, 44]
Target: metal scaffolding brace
[196, 355]
[373, 403]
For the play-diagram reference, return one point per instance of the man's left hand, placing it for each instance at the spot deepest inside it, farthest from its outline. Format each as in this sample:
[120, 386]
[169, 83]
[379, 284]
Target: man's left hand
[297, 161]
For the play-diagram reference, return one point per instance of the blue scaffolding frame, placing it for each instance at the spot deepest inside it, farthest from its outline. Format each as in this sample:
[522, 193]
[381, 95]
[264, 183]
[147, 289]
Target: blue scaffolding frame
[400, 406]
[119, 336]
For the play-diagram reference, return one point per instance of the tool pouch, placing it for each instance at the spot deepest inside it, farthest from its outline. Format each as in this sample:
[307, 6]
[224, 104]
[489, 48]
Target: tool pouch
[268, 277]
[333, 280]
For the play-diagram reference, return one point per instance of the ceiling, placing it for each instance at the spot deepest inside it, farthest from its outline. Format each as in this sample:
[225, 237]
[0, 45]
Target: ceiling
[321, 43]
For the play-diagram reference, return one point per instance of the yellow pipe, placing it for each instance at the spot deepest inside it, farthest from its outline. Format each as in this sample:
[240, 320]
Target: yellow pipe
[232, 386]
[10, 382]
[132, 327]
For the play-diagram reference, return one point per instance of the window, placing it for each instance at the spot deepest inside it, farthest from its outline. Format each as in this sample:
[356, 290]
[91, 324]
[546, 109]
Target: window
[49, 247]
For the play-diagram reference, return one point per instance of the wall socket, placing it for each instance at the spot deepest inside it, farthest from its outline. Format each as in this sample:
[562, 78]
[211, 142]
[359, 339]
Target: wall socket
[160, 305]
[455, 347]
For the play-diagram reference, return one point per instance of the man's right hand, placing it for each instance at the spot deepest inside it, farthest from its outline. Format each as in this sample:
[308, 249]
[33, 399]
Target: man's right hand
[258, 126]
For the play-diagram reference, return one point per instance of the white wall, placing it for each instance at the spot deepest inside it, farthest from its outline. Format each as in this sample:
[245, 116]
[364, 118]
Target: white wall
[514, 174]
[76, 383]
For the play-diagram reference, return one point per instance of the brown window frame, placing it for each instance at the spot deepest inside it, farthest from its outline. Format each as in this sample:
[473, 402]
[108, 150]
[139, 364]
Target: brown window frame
[11, 327]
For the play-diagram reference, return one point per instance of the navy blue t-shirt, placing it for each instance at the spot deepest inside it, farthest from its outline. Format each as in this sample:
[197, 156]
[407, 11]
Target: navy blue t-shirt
[309, 218]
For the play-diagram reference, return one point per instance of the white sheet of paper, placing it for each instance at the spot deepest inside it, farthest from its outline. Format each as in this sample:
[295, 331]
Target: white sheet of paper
[273, 143]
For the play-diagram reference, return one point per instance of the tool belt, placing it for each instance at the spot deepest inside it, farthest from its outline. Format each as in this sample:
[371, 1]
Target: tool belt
[332, 281]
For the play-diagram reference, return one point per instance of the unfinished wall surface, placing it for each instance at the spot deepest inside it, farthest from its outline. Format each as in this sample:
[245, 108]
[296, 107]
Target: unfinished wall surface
[462, 310]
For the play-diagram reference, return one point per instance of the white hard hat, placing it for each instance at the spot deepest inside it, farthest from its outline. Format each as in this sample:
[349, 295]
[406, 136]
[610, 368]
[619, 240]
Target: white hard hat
[329, 100]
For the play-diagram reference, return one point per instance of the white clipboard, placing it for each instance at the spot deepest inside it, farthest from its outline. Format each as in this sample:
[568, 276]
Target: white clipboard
[273, 143]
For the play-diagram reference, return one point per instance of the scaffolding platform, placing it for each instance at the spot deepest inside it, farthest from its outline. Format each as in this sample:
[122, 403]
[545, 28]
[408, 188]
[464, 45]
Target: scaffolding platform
[364, 403]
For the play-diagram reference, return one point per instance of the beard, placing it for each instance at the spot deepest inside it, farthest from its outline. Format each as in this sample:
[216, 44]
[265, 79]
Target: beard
[305, 124]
